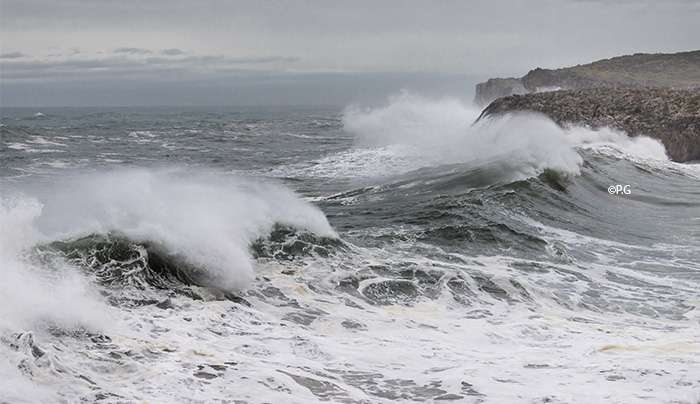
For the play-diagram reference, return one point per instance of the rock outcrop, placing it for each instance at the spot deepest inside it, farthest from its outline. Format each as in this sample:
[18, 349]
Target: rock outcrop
[497, 88]
[675, 70]
[671, 116]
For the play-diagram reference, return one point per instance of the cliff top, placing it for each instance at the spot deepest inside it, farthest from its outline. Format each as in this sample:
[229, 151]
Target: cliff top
[672, 70]
[659, 70]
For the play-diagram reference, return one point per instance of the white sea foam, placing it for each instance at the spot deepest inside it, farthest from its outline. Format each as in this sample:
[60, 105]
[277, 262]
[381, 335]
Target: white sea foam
[35, 297]
[444, 131]
[303, 340]
[30, 292]
[618, 143]
[40, 140]
[205, 218]
[29, 149]
[411, 132]
[210, 220]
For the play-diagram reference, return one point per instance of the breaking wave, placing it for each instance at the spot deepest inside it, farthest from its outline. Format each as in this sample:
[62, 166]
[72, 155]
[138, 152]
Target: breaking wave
[411, 132]
[142, 227]
[487, 257]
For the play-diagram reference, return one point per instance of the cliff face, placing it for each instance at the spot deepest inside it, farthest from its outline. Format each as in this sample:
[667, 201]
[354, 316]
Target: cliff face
[671, 116]
[497, 88]
[676, 70]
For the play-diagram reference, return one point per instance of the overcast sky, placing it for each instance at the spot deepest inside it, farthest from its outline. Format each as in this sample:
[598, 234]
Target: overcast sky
[127, 52]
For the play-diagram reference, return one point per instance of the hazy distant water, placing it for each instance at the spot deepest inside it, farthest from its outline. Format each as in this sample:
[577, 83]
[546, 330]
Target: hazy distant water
[359, 255]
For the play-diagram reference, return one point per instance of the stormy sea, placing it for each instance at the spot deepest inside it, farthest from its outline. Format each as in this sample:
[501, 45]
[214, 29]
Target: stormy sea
[397, 252]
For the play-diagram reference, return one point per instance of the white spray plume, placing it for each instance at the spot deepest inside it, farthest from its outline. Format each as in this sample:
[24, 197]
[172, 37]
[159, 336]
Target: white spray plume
[442, 131]
[208, 219]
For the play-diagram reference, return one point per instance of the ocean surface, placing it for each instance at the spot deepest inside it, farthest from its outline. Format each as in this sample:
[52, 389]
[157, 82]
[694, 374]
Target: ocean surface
[367, 254]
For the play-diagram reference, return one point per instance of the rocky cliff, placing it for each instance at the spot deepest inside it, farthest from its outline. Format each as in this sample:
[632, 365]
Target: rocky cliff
[497, 88]
[671, 116]
[676, 70]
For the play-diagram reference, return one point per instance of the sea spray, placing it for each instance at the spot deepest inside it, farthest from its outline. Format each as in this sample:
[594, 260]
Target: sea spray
[411, 132]
[209, 220]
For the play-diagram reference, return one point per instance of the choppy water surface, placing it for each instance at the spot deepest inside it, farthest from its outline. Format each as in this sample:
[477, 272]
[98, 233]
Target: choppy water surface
[396, 253]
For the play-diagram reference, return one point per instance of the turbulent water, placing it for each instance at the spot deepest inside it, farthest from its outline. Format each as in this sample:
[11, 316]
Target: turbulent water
[366, 255]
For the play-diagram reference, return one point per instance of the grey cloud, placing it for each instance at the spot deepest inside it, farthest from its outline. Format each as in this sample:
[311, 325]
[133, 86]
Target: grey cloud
[220, 59]
[12, 55]
[268, 59]
[133, 51]
[478, 37]
[172, 52]
[503, 37]
[120, 66]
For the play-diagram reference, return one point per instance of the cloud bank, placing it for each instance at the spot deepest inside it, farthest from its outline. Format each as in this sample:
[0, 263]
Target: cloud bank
[131, 43]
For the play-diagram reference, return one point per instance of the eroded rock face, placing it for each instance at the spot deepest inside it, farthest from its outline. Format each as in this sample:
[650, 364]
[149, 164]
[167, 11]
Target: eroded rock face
[671, 116]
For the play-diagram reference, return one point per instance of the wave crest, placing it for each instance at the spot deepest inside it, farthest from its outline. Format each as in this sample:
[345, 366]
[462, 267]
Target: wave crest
[411, 132]
[191, 227]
